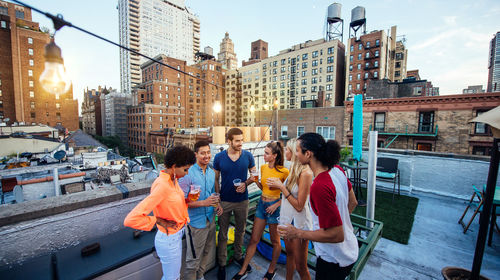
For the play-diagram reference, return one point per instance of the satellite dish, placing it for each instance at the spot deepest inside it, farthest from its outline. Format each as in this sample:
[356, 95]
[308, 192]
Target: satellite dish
[59, 155]
[18, 194]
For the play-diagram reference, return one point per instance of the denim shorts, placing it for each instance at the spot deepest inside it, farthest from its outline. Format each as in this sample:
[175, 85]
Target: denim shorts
[262, 214]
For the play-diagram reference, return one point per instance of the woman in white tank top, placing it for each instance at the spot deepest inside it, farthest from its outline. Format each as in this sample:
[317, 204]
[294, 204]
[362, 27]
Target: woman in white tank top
[295, 210]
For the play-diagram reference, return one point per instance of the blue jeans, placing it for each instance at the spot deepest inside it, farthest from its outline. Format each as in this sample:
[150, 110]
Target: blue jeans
[262, 214]
[169, 249]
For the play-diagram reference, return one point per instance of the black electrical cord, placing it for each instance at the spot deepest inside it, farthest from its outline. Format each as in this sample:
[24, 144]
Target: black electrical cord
[59, 23]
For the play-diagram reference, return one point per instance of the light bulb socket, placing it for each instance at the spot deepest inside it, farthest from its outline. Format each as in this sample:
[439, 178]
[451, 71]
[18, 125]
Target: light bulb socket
[53, 52]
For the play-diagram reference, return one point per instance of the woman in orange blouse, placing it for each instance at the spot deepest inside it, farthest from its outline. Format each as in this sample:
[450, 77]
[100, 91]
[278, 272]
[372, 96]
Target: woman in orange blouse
[169, 211]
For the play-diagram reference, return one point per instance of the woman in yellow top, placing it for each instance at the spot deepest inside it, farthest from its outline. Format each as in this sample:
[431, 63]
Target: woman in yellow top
[267, 209]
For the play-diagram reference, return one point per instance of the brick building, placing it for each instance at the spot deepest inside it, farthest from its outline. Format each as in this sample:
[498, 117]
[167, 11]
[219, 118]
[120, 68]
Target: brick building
[170, 99]
[409, 87]
[160, 141]
[374, 56]
[22, 98]
[258, 52]
[295, 75]
[92, 111]
[430, 123]
[327, 121]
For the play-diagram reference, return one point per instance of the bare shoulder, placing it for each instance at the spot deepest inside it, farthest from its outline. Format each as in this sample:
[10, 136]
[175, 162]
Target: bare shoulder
[306, 173]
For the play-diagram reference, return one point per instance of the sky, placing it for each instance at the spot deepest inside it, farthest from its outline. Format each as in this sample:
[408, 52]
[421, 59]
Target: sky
[448, 41]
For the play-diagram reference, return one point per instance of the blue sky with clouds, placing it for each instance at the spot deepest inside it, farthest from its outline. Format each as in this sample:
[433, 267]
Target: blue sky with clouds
[447, 40]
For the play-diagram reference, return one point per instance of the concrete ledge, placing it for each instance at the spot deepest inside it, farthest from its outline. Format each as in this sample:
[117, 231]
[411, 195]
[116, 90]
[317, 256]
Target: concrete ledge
[15, 213]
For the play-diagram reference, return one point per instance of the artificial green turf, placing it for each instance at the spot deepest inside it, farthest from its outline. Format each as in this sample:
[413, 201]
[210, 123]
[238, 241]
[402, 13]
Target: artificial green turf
[397, 216]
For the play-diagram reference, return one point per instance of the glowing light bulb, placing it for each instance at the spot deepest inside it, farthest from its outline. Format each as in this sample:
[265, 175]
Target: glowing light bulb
[217, 107]
[54, 78]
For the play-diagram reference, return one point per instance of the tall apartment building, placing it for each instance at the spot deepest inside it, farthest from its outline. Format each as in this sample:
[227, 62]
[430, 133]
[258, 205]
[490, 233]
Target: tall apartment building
[296, 75]
[22, 98]
[494, 65]
[170, 99]
[227, 56]
[375, 56]
[258, 51]
[473, 89]
[154, 27]
[92, 111]
[114, 114]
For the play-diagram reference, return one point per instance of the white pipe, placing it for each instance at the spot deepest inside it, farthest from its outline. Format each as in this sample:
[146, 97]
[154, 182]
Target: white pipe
[57, 189]
[371, 180]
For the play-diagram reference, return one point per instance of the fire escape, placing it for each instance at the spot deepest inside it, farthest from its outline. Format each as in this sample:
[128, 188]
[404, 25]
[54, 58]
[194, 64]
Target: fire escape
[292, 83]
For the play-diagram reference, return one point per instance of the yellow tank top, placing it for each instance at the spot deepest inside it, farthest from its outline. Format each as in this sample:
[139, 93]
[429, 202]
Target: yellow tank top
[266, 172]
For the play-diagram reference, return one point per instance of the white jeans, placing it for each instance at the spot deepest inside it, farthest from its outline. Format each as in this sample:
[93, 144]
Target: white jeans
[169, 249]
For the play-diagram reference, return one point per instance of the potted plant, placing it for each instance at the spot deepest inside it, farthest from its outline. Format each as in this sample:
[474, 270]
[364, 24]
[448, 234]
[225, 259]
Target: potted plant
[346, 154]
[457, 273]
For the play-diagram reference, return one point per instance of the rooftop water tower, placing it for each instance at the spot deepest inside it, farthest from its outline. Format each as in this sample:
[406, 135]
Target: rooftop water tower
[334, 22]
[358, 20]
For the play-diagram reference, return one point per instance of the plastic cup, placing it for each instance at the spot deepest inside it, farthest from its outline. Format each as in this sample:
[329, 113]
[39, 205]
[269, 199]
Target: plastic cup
[194, 193]
[255, 175]
[281, 224]
[217, 196]
[236, 183]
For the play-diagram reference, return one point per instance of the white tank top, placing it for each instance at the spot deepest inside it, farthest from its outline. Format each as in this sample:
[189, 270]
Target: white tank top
[289, 214]
[344, 253]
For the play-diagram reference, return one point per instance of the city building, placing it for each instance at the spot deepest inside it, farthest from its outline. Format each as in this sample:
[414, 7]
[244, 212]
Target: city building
[154, 27]
[473, 89]
[409, 87]
[287, 80]
[22, 98]
[374, 56]
[494, 64]
[428, 123]
[114, 114]
[327, 121]
[169, 99]
[227, 56]
[162, 140]
[258, 51]
[92, 111]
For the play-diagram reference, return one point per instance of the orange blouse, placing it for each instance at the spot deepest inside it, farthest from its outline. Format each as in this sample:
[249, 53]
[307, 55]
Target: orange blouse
[166, 201]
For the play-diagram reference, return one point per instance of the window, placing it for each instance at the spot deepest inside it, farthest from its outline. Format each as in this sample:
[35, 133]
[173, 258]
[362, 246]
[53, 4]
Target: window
[304, 73]
[32, 105]
[377, 53]
[30, 51]
[358, 86]
[350, 122]
[31, 83]
[328, 132]
[367, 55]
[315, 63]
[360, 46]
[331, 50]
[350, 67]
[375, 74]
[3, 24]
[424, 147]
[352, 48]
[481, 150]
[481, 128]
[304, 64]
[304, 82]
[379, 124]
[350, 78]
[33, 115]
[32, 94]
[329, 69]
[315, 54]
[0, 93]
[359, 66]
[329, 78]
[359, 56]
[349, 87]
[417, 91]
[314, 89]
[30, 41]
[375, 64]
[313, 97]
[314, 72]
[32, 63]
[359, 76]
[284, 131]
[329, 87]
[367, 44]
[329, 59]
[351, 58]
[4, 11]
[399, 56]
[397, 73]
[300, 130]
[377, 42]
[303, 90]
[304, 56]
[426, 122]
[366, 75]
[20, 14]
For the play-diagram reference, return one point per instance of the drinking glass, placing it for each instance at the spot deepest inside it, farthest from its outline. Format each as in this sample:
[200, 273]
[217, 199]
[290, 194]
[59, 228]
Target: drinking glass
[194, 193]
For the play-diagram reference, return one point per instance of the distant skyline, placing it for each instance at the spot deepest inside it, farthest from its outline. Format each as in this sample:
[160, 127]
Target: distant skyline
[447, 41]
